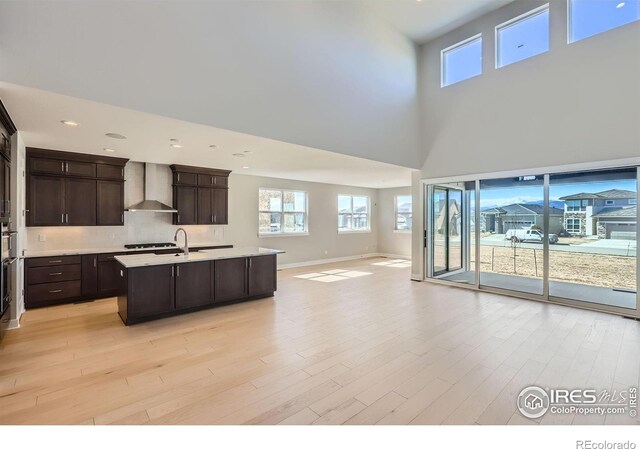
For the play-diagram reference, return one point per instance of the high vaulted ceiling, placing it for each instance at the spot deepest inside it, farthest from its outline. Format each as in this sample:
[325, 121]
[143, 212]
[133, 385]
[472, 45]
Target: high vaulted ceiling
[422, 20]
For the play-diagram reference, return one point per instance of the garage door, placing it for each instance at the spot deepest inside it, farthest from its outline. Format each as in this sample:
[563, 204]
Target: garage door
[507, 225]
[622, 231]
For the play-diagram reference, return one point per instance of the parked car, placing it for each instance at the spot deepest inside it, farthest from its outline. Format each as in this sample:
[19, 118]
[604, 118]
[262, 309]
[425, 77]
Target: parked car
[528, 235]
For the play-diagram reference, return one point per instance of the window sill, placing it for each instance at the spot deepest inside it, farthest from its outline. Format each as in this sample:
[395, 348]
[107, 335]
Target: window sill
[283, 234]
[402, 231]
[355, 231]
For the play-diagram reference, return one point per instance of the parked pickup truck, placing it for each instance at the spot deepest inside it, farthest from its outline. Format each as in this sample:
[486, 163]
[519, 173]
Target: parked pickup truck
[528, 235]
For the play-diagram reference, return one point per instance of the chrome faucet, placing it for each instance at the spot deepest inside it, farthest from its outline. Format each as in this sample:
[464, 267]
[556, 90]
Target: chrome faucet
[185, 248]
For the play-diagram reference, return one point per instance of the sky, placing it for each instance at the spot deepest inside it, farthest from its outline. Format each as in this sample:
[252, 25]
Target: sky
[531, 37]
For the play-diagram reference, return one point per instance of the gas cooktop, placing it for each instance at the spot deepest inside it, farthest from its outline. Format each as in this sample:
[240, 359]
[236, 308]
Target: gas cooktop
[149, 245]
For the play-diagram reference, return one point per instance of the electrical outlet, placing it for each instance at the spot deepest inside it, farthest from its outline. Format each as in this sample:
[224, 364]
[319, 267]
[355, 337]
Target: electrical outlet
[326, 252]
[42, 238]
[113, 236]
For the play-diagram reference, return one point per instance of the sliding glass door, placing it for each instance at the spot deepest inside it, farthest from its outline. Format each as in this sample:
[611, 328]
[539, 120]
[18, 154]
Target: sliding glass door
[595, 257]
[564, 237]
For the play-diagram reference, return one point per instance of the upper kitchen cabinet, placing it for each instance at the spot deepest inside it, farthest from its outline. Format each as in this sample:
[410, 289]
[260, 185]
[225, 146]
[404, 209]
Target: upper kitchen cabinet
[73, 189]
[7, 129]
[200, 195]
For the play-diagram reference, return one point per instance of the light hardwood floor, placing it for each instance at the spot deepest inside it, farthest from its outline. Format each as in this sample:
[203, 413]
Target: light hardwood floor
[368, 349]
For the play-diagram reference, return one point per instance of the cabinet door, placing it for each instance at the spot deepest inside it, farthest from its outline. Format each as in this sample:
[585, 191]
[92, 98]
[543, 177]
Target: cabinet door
[90, 274]
[110, 203]
[262, 275]
[46, 201]
[186, 200]
[193, 284]
[220, 181]
[109, 277]
[220, 206]
[230, 279]
[150, 290]
[108, 171]
[80, 202]
[75, 168]
[205, 213]
[205, 180]
[188, 179]
[4, 189]
[44, 165]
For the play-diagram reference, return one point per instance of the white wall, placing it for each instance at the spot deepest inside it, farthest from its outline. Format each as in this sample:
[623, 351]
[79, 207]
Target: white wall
[390, 241]
[328, 75]
[576, 103]
[243, 221]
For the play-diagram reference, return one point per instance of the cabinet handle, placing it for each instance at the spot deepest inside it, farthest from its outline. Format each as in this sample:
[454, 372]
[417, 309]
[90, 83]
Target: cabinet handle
[178, 271]
[214, 179]
[172, 270]
[178, 218]
[61, 166]
[55, 291]
[122, 218]
[55, 261]
[178, 177]
[61, 218]
[67, 217]
[95, 262]
[55, 274]
[249, 263]
[122, 172]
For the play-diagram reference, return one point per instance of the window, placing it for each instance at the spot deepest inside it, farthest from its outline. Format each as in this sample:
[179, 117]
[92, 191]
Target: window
[573, 225]
[609, 202]
[590, 17]
[461, 61]
[403, 212]
[353, 213]
[282, 212]
[523, 37]
[633, 201]
[577, 205]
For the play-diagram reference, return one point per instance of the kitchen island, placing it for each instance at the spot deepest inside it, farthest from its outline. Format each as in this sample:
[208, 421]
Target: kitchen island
[160, 285]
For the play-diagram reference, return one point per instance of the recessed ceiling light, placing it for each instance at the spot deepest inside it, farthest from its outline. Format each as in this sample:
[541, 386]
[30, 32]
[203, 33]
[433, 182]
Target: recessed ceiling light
[213, 146]
[245, 166]
[620, 5]
[109, 150]
[176, 145]
[69, 123]
[116, 136]
[238, 154]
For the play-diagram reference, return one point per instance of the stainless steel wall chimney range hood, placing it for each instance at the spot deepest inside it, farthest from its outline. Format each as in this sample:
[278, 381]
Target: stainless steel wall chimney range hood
[149, 190]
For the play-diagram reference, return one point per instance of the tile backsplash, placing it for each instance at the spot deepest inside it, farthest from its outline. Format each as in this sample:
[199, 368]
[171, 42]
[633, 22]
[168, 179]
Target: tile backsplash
[139, 227]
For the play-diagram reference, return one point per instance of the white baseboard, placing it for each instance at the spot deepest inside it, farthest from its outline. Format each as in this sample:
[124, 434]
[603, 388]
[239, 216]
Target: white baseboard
[13, 324]
[416, 277]
[394, 256]
[308, 263]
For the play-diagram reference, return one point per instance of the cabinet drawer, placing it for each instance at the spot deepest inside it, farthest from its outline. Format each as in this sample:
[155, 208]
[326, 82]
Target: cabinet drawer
[110, 171]
[108, 257]
[212, 181]
[49, 261]
[43, 293]
[188, 179]
[43, 165]
[56, 273]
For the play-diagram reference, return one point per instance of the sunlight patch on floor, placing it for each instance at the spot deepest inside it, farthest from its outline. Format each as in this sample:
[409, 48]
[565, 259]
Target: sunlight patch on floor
[332, 275]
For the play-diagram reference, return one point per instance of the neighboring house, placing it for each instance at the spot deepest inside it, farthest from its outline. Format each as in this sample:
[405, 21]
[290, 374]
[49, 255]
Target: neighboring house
[517, 216]
[611, 214]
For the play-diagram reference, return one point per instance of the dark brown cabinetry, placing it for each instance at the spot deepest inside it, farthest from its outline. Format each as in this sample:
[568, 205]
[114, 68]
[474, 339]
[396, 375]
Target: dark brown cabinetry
[90, 275]
[185, 201]
[108, 274]
[193, 285]
[231, 279]
[154, 292]
[151, 290]
[70, 189]
[200, 195]
[110, 199]
[51, 280]
[262, 275]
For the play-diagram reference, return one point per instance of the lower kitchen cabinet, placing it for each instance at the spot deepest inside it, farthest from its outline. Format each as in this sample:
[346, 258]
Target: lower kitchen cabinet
[262, 275]
[150, 290]
[231, 279]
[108, 275]
[194, 286]
[90, 274]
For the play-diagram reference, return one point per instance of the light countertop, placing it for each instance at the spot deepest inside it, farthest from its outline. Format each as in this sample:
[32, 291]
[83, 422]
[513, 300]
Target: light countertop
[102, 250]
[143, 260]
